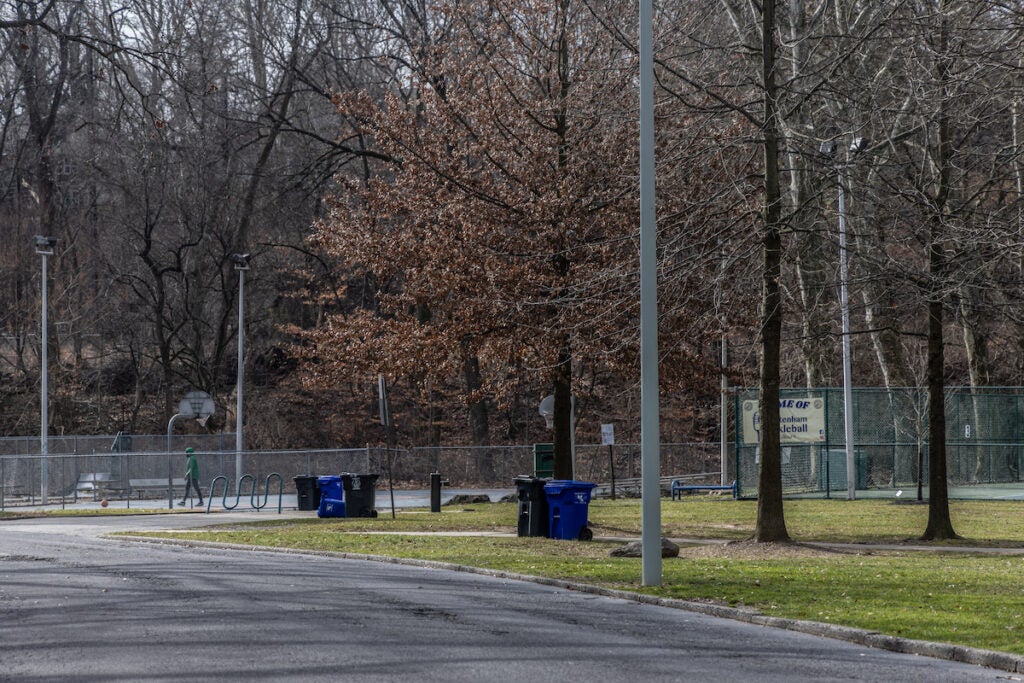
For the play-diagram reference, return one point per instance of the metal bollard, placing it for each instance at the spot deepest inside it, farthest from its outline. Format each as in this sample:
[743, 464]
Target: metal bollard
[435, 491]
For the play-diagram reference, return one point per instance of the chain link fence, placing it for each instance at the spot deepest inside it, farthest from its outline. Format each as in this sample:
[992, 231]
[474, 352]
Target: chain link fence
[90, 445]
[490, 466]
[117, 468]
[984, 440]
[984, 436]
[137, 475]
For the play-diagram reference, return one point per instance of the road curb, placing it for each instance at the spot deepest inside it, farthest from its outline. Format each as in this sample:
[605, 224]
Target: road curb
[954, 653]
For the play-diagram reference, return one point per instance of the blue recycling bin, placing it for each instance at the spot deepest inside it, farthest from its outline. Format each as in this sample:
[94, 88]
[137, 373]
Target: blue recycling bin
[568, 504]
[332, 502]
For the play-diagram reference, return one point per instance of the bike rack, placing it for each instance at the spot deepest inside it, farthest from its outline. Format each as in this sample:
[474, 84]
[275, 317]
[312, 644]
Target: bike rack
[252, 492]
[266, 492]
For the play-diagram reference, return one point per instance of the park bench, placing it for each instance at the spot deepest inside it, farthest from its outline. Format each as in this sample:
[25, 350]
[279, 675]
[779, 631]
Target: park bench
[679, 488]
[629, 486]
[95, 483]
[156, 485]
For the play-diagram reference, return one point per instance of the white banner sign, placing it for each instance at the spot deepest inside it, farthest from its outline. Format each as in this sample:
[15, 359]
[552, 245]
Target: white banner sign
[801, 420]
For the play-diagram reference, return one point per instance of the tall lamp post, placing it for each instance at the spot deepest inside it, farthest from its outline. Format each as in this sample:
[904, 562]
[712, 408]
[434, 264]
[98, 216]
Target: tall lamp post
[829, 149]
[241, 265]
[44, 247]
[650, 439]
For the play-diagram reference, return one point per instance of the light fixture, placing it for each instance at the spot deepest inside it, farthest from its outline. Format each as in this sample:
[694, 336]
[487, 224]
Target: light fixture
[45, 245]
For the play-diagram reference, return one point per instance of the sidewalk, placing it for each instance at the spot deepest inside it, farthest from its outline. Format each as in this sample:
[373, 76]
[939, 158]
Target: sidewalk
[406, 498]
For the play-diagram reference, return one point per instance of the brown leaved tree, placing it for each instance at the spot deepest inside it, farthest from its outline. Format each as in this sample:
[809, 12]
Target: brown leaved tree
[501, 229]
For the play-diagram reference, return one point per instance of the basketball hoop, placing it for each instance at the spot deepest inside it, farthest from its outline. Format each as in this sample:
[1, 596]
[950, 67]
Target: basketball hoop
[547, 410]
[197, 405]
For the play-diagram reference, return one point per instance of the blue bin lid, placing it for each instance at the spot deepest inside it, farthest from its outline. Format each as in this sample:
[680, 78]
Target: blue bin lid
[561, 485]
[328, 480]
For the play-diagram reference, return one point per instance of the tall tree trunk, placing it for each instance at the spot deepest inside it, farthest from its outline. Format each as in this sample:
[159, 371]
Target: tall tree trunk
[563, 456]
[940, 525]
[771, 523]
[563, 411]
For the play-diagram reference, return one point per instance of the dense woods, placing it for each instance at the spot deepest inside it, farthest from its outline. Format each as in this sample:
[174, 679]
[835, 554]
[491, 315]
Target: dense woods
[447, 194]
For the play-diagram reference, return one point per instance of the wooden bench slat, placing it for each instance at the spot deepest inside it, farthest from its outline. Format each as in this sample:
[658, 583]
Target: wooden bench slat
[154, 485]
[679, 488]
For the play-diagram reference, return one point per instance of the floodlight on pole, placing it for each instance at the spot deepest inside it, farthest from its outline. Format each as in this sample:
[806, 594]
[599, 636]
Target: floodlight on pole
[44, 247]
[241, 262]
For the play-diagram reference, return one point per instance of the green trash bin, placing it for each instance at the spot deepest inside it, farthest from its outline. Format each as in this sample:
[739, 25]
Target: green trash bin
[544, 460]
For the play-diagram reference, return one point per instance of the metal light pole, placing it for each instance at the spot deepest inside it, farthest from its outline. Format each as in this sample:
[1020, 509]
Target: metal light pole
[650, 458]
[44, 247]
[241, 265]
[829, 148]
[170, 467]
[844, 303]
[723, 418]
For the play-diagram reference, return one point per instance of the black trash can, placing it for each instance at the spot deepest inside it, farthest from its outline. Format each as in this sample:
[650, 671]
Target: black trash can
[533, 506]
[307, 492]
[360, 494]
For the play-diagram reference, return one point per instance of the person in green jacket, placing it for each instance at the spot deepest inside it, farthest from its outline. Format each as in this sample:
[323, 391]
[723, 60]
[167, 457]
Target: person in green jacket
[191, 477]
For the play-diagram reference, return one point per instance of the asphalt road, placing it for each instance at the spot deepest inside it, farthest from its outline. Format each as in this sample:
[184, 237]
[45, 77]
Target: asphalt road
[77, 607]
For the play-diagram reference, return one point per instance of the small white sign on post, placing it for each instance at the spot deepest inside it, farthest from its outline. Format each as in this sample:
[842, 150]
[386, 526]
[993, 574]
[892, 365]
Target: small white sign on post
[607, 435]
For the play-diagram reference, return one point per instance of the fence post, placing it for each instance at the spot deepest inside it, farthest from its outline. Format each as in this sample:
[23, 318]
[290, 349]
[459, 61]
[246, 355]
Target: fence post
[736, 416]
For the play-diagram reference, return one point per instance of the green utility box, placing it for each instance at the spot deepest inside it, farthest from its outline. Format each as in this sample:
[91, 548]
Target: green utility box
[544, 460]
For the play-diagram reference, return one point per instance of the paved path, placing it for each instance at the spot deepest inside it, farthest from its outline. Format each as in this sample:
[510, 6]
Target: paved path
[404, 498]
[77, 607]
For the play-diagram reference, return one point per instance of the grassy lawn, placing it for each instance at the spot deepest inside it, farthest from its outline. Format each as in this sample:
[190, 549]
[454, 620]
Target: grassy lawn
[964, 598]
